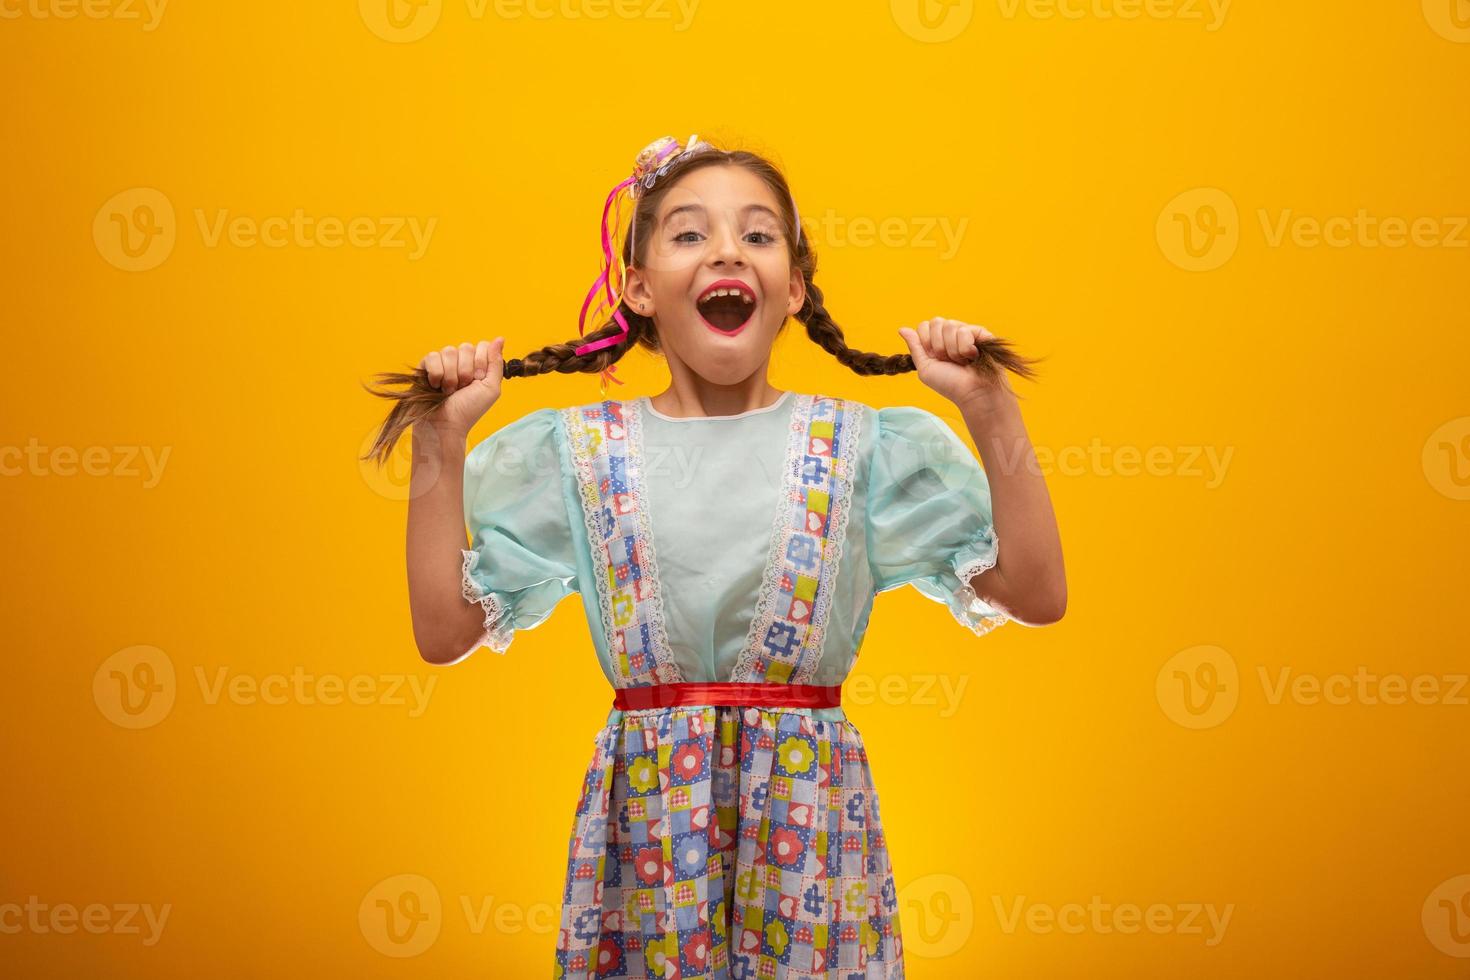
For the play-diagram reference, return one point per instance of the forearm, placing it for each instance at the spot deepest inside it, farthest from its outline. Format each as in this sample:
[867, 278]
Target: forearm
[1028, 577]
[444, 624]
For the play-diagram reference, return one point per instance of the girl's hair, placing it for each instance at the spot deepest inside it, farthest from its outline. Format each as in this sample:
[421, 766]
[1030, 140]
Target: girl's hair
[418, 399]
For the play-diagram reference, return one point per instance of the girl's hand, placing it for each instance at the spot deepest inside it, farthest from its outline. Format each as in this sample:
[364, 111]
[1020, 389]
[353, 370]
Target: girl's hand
[944, 353]
[472, 374]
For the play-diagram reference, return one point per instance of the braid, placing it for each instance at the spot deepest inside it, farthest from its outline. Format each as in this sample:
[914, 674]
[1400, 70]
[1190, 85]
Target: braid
[416, 399]
[995, 354]
[564, 359]
[825, 332]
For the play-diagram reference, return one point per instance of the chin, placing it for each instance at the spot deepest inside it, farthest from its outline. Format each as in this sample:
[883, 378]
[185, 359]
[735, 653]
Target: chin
[730, 370]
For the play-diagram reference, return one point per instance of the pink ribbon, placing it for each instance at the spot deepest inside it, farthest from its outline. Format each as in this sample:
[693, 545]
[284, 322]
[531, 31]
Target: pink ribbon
[610, 262]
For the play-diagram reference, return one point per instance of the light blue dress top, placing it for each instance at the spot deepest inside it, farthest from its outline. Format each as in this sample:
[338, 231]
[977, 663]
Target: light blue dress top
[920, 515]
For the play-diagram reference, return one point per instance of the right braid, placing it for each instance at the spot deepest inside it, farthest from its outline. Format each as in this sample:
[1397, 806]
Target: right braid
[996, 354]
[416, 399]
[564, 359]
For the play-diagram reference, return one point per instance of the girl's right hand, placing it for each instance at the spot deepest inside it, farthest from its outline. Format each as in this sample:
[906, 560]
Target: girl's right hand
[471, 374]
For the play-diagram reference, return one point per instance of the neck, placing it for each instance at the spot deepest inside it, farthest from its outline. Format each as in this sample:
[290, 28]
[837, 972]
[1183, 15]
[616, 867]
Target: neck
[692, 396]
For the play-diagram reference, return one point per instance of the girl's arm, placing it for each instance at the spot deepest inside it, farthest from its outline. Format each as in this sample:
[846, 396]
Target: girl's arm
[445, 625]
[1028, 580]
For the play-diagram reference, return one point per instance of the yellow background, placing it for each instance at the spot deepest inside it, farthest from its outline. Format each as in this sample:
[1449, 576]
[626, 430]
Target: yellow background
[1074, 764]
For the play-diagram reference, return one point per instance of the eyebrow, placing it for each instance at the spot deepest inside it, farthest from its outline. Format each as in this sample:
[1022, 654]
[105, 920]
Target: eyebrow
[700, 208]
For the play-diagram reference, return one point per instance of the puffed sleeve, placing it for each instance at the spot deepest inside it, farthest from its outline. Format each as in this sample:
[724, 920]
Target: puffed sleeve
[521, 560]
[929, 516]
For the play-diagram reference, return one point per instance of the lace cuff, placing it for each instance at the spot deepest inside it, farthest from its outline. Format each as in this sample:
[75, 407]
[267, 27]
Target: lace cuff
[498, 631]
[969, 609]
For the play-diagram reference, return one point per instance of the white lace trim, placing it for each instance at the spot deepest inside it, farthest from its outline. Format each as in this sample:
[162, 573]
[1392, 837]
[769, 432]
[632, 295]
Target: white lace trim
[497, 632]
[591, 510]
[841, 506]
[969, 609]
[665, 670]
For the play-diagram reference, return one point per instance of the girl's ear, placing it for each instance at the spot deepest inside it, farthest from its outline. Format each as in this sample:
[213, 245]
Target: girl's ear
[637, 294]
[797, 297]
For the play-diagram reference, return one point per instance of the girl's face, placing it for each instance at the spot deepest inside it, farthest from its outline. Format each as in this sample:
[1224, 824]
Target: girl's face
[718, 230]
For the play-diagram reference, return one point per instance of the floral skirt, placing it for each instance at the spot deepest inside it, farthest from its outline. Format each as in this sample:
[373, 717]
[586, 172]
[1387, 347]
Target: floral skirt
[728, 843]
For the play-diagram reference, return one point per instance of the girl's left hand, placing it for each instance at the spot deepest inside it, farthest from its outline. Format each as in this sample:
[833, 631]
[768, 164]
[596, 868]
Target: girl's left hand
[944, 353]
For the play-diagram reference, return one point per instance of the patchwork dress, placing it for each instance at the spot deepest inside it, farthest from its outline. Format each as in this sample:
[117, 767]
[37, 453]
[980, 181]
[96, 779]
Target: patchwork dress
[715, 840]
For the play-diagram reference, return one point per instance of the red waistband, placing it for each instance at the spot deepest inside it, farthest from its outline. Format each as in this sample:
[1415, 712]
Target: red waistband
[728, 692]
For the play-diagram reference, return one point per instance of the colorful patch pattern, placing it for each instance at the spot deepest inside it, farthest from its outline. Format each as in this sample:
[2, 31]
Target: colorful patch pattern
[786, 634]
[728, 843]
[606, 442]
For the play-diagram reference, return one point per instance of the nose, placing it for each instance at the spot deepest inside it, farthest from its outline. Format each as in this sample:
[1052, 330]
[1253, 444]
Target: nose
[725, 246]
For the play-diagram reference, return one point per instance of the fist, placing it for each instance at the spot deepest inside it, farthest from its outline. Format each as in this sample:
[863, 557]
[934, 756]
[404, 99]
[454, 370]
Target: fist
[945, 354]
[471, 375]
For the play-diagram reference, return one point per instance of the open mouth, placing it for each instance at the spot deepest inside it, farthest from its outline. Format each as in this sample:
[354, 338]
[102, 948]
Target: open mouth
[727, 305]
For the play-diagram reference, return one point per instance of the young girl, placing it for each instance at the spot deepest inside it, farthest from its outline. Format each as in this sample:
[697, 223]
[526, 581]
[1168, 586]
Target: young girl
[727, 540]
